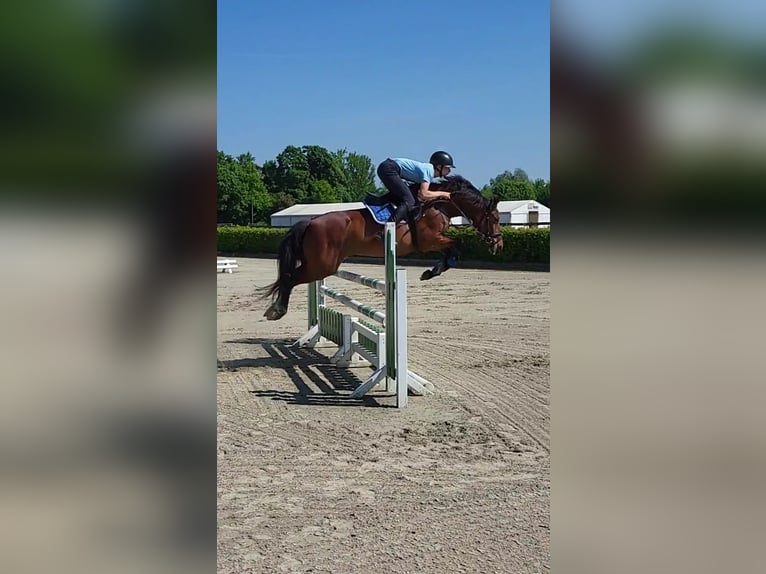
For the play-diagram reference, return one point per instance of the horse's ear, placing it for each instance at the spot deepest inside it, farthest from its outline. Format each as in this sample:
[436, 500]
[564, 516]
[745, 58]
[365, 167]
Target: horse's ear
[494, 202]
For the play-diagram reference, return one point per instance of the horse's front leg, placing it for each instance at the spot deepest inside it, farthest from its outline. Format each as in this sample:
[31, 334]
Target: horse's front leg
[449, 259]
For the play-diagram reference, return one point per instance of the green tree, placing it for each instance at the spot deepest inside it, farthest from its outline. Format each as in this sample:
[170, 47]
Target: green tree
[543, 191]
[296, 171]
[520, 175]
[322, 192]
[509, 190]
[282, 201]
[312, 174]
[360, 176]
[228, 190]
[241, 193]
[255, 189]
[324, 165]
[288, 173]
[270, 171]
[510, 186]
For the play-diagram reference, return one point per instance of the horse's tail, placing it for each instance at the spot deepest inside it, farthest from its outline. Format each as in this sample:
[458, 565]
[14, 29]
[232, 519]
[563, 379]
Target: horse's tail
[289, 255]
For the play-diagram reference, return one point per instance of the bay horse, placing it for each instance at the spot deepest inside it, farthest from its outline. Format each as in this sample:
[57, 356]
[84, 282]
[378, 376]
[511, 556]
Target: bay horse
[314, 249]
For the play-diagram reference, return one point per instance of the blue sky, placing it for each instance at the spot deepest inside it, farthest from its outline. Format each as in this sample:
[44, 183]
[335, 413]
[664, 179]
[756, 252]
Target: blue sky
[393, 79]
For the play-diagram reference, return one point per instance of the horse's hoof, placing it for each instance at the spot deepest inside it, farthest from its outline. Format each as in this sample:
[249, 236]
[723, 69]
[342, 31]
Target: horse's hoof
[273, 313]
[427, 274]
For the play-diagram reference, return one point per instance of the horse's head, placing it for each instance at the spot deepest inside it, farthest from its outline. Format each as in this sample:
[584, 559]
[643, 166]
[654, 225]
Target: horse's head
[482, 211]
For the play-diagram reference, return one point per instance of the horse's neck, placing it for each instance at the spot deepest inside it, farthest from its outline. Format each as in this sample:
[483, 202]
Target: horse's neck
[448, 208]
[463, 207]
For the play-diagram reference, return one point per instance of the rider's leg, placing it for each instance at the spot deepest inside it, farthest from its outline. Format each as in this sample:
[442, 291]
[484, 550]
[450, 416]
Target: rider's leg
[390, 174]
[401, 213]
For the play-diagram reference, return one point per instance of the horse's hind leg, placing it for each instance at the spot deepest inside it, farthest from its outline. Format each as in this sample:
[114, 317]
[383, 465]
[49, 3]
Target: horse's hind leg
[278, 308]
[305, 256]
[316, 264]
[309, 270]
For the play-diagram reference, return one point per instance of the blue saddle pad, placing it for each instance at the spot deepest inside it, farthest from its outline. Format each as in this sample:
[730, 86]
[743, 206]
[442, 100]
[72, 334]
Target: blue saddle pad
[381, 213]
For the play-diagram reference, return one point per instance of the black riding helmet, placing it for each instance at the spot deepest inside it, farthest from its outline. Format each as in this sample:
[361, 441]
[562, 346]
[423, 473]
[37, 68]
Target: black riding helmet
[441, 158]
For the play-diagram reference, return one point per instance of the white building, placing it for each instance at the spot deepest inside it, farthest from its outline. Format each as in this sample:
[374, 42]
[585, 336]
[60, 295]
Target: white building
[300, 211]
[518, 213]
[525, 211]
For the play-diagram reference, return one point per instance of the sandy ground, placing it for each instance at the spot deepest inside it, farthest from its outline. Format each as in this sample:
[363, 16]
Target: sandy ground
[310, 480]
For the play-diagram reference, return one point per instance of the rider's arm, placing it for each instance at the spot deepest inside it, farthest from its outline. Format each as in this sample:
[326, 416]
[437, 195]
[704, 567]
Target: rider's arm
[426, 194]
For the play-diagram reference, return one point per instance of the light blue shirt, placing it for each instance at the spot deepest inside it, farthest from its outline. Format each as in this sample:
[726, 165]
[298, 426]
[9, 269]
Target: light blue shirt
[415, 171]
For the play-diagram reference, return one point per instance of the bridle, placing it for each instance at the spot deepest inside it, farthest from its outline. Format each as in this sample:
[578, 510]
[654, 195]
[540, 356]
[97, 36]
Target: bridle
[488, 236]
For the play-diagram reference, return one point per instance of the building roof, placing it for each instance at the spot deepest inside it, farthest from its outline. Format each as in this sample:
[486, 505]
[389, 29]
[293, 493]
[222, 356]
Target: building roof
[311, 209]
[316, 208]
[516, 205]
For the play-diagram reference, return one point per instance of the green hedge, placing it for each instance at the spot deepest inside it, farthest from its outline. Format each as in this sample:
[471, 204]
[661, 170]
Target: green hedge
[521, 245]
[249, 240]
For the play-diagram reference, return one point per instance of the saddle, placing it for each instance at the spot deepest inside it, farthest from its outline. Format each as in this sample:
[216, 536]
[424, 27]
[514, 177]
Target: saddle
[383, 211]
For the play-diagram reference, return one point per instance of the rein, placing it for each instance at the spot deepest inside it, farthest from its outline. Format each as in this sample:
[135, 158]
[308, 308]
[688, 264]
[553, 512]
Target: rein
[488, 237]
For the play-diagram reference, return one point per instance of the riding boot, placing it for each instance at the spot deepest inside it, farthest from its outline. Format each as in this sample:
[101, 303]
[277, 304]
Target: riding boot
[400, 214]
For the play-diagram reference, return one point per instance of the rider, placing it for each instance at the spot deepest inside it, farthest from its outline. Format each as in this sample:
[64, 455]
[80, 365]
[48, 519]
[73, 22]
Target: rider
[395, 173]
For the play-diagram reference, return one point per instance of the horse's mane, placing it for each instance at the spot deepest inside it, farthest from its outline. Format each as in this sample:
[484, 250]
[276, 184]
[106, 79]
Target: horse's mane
[462, 189]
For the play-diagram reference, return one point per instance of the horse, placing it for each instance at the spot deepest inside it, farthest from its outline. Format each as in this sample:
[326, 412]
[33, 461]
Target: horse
[314, 249]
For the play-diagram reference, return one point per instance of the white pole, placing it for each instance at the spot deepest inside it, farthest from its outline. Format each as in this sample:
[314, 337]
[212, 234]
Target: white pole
[401, 338]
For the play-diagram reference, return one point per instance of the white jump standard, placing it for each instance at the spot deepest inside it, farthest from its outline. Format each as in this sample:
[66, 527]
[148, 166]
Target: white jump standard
[362, 342]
